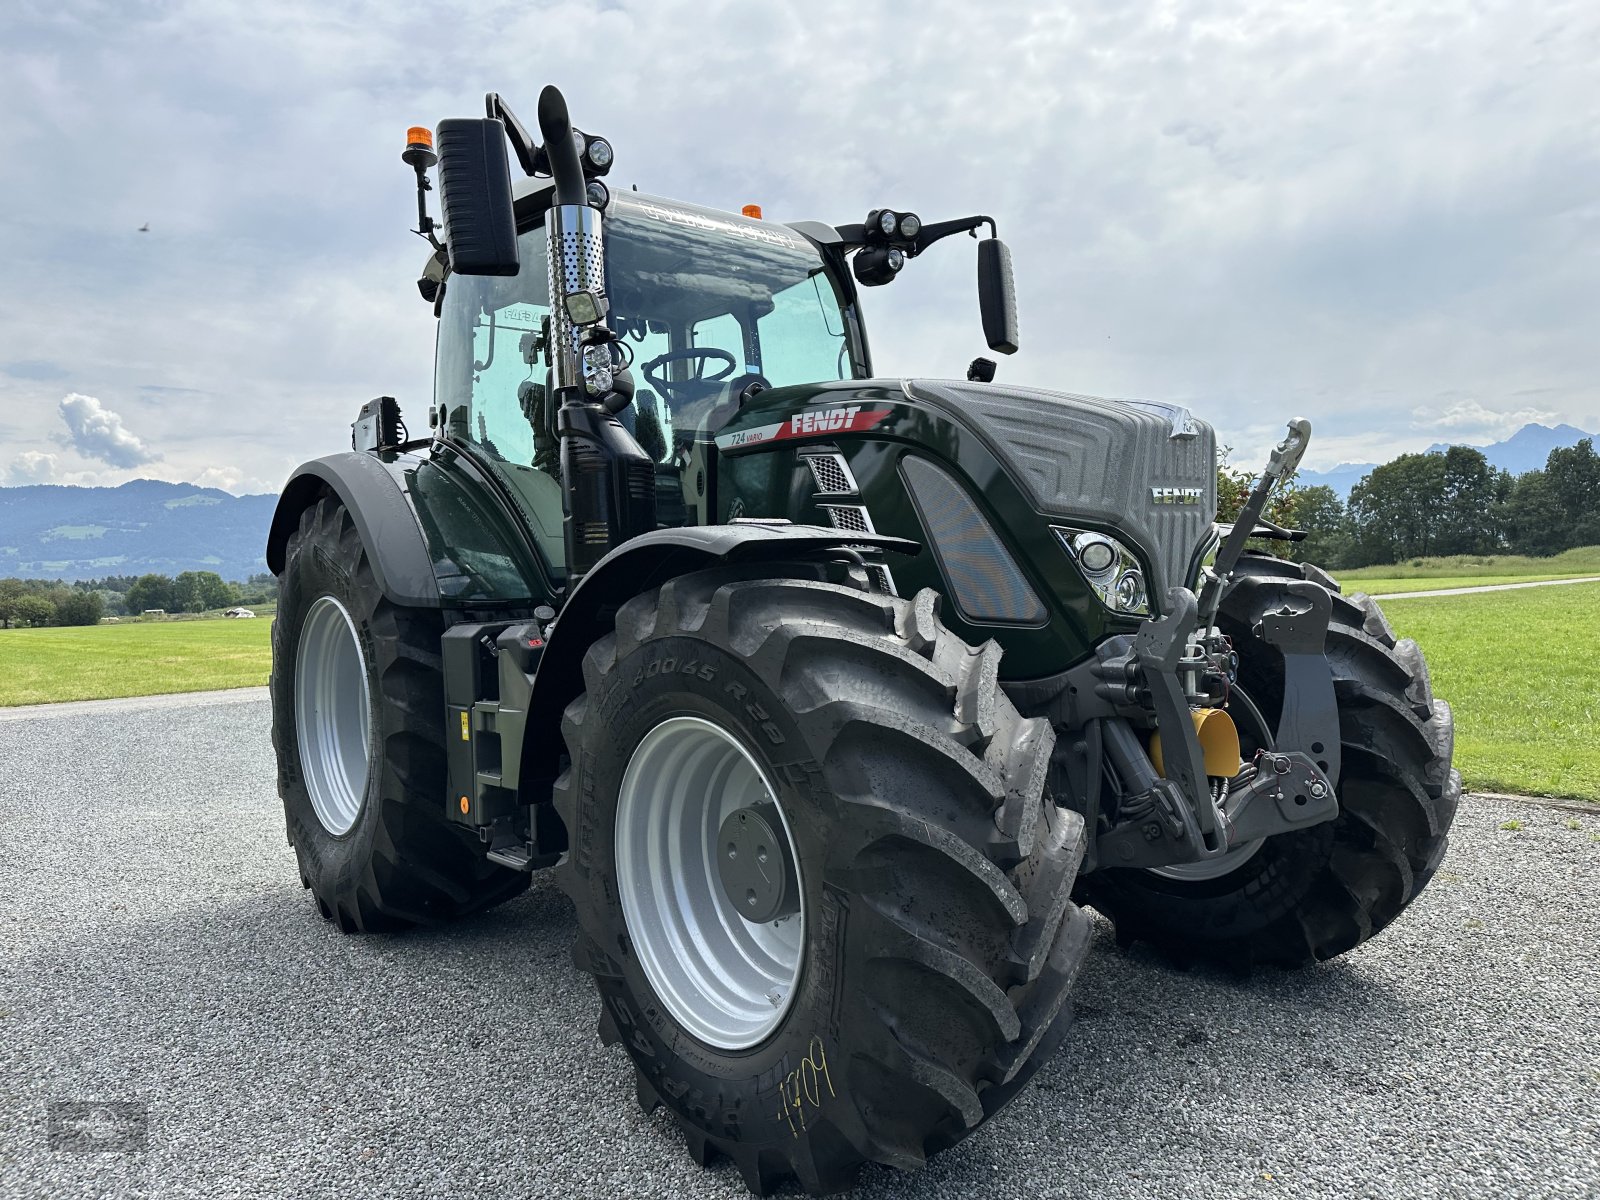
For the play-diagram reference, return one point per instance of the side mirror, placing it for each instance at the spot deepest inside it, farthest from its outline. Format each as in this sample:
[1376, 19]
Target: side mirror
[997, 298]
[480, 228]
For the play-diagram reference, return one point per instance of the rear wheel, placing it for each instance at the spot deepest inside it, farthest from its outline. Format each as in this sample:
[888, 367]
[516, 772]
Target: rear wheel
[358, 726]
[1312, 894]
[825, 903]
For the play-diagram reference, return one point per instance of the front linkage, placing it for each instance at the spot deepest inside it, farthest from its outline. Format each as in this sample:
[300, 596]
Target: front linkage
[1186, 800]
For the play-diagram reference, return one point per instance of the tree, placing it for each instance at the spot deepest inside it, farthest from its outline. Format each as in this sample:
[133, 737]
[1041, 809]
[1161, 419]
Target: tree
[149, 591]
[80, 608]
[1319, 511]
[196, 591]
[1573, 474]
[1423, 504]
[1534, 522]
[11, 590]
[33, 609]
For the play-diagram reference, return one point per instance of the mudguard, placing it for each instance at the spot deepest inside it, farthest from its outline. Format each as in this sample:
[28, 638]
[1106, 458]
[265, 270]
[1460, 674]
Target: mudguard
[383, 517]
[643, 563]
[436, 533]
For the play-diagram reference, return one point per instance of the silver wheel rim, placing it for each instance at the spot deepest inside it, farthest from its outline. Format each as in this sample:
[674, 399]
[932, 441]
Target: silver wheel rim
[727, 981]
[333, 714]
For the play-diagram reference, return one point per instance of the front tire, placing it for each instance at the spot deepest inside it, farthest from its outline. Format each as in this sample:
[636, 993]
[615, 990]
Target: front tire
[358, 727]
[1312, 894]
[935, 940]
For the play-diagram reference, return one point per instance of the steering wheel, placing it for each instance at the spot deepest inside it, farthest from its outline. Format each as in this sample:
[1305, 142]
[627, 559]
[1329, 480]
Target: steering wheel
[692, 386]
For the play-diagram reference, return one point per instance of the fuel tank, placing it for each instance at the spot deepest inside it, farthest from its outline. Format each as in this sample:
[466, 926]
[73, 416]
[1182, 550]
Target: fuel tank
[994, 481]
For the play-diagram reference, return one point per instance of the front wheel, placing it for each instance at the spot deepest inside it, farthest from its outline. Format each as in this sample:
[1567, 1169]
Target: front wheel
[825, 903]
[1312, 894]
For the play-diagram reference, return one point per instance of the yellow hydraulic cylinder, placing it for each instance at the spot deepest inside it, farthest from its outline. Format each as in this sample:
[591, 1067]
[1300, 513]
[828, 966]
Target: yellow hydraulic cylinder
[1219, 743]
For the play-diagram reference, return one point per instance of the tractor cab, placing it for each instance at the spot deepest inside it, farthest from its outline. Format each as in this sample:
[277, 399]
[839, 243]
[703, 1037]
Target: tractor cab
[708, 307]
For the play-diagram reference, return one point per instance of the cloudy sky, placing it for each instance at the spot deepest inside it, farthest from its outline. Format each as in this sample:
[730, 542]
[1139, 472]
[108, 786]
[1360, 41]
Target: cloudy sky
[1384, 217]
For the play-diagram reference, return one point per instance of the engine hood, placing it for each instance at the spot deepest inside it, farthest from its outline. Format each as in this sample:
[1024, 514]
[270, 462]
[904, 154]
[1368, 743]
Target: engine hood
[1146, 470]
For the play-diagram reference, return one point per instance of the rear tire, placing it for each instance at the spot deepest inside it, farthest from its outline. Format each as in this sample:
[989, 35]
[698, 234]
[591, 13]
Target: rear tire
[1316, 893]
[380, 856]
[939, 939]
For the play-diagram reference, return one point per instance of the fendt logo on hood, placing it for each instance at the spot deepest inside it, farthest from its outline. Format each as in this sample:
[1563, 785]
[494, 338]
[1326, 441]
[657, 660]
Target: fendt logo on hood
[1176, 495]
[810, 423]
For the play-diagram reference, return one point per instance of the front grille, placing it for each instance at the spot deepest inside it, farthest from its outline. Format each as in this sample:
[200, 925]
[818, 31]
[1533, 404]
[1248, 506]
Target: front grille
[849, 516]
[832, 475]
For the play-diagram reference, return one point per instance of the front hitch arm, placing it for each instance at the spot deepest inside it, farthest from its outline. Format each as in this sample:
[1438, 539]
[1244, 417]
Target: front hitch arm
[1309, 723]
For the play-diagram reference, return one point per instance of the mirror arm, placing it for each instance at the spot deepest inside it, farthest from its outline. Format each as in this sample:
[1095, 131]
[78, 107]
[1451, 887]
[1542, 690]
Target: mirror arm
[527, 149]
[853, 237]
[929, 234]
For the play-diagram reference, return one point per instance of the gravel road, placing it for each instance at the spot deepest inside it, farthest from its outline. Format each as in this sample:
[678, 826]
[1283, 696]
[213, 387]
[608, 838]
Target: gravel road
[156, 950]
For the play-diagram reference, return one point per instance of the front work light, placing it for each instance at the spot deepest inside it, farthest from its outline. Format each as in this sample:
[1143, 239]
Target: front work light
[584, 308]
[878, 265]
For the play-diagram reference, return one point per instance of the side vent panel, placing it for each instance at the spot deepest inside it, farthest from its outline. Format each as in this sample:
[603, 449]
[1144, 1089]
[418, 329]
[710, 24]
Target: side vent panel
[849, 516]
[832, 475]
[985, 581]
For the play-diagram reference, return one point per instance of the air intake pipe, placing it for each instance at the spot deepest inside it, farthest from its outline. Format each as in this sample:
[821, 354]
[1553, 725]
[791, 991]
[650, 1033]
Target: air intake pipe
[609, 482]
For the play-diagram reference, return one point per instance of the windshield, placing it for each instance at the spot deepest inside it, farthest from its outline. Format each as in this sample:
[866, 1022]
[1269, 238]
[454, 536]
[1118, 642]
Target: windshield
[705, 303]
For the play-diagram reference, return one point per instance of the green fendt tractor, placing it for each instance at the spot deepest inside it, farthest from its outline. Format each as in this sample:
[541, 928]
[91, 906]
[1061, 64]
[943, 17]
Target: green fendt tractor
[828, 697]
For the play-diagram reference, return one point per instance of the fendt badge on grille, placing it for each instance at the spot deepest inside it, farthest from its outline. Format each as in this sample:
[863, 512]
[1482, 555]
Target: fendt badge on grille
[1176, 495]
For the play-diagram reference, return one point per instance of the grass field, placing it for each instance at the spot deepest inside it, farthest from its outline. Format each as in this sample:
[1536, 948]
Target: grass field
[1522, 670]
[1390, 587]
[1470, 570]
[140, 658]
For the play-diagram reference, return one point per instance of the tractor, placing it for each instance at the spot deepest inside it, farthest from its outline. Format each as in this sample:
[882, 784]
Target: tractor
[832, 700]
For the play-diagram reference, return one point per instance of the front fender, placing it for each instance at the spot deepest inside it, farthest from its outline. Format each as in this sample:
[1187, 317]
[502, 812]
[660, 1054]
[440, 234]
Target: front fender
[643, 563]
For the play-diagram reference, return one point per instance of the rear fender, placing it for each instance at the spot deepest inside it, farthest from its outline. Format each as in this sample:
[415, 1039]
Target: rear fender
[438, 532]
[383, 516]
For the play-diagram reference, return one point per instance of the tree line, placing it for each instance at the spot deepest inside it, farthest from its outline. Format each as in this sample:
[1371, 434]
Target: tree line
[1441, 503]
[25, 602]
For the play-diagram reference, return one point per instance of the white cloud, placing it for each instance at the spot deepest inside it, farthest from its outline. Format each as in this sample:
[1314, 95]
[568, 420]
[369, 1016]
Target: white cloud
[1342, 211]
[1472, 418]
[94, 431]
[231, 479]
[31, 466]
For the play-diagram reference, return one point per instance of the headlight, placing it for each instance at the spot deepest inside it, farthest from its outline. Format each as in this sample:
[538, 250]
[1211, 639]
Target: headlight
[887, 221]
[597, 194]
[599, 153]
[1096, 554]
[910, 225]
[1109, 567]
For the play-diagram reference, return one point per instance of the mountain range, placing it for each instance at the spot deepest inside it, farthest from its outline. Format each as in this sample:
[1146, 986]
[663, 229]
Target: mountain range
[50, 531]
[1525, 450]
